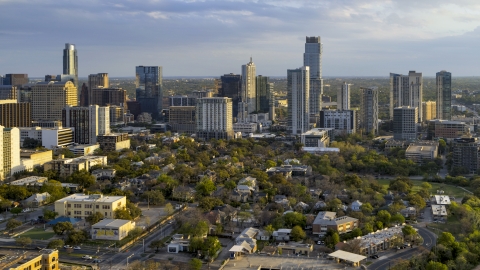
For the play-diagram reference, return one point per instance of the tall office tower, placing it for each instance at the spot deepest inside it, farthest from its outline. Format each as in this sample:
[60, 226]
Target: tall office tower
[405, 123]
[15, 79]
[8, 92]
[49, 98]
[13, 114]
[343, 97]
[264, 94]
[99, 80]
[84, 96]
[109, 96]
[429, 110]
[70, 62]
[9, 152]
[249, 90]
[271, 104]
[214, 118]
[149, 89]
[298, 94]
[182, 119]
[406, 90]
[88, 122]
[444, 95]
[344, 122]
[369, 109]
[466, 154]
[231, 88]
[313, 58]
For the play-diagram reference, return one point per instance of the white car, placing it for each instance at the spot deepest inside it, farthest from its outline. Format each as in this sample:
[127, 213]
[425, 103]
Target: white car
[25, 210]
[67, 246]
[87, 257]
[77, 247]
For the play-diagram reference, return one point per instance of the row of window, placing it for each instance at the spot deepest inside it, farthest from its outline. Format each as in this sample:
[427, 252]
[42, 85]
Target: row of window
[89, 206]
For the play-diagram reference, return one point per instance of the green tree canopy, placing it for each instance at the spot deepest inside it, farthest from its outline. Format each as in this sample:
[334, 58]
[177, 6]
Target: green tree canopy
[12, 224]
[23, 241]
[83, 178]
[205, 187]
[62, 227]
[56, 243]
[94, 218]
[297, 233]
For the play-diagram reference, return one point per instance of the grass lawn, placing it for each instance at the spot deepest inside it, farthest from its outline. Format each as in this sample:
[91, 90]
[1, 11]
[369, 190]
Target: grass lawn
[38, 234]
[452, 226]
[449, 190]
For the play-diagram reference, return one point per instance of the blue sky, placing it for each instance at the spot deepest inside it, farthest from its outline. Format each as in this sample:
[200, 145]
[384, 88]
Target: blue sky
[210, 38]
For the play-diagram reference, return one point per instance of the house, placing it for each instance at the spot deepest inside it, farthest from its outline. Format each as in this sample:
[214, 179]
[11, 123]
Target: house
[282, 200]
[328, 220]
[320, 204]
[183, 193]
[179, 243]
[294, 248]
[439, 212]
[227, 212]
[263, 235]
[409, 212]
[104, 174]
[212, 175]
[37, 200]
[237, 196]
[259, 195]
[356, 206]
[245, 189]
[168, 168]
[245, 243]
[302, 206]
[249, 181]
[282, 235]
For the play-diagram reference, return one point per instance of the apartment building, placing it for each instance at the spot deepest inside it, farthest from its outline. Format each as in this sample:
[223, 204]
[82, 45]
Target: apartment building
[328, 220]
[81, 205]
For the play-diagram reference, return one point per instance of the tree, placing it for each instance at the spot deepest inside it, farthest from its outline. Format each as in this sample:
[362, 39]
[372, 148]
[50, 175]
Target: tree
[383, 216]
[134, 210]
[211, 246]
[205, 187]
[426, 186]
[366, 208]
[408, 231]
[269, 229]
[208, 203]
[55, 189]
[49, 214]
[195, 264]
[83, 178]
[293, 219]
[397, 218]
[154, 197]
[62, 227]
[94, 218]
[332, 240]
[297, 233]
[156, 244]
[12, 224]
[436, 266]
[16, 210]
[122, 213]
[446, 239]
[56, 243]
[196, 243]
[76, 237]
[169, 209]
[23, 241]
[417, 201]
[31, 143]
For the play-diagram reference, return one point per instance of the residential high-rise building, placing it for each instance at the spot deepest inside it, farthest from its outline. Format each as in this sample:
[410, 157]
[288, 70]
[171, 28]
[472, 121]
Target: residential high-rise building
[444, 95]
[8, 92]
[88, 122]
[10, 162]
[49, 98]
[95, 81]
[109, 96]
[117, 115]
[70, 62]
[313, 59]
[182, 119]
[249, 93]
[298, 95]
[214, 118]
[149, 89]
[231, 87]
[15, 79]
[405, 123]
[343, 97]
[264, 94]
[466, 154]
[84, 96]
[369, 109]
[343, 122]
[14, 114]
[406, 90]
[429, 110]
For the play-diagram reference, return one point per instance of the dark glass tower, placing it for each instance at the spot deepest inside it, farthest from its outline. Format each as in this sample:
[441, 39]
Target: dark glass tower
[148, 81]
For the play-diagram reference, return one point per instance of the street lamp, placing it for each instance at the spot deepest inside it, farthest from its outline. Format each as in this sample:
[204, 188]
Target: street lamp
[129, 258]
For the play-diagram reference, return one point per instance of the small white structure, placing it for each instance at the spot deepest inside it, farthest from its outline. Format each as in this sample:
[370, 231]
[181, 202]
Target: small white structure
[356, 205]
[282, 234]
[441, 199]
[439, 211]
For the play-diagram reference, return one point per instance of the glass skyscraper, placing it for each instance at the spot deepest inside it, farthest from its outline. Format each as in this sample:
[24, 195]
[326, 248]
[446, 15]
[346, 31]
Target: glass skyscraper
[313, 59]
[70, 62]
[444, 95]
[148, 82]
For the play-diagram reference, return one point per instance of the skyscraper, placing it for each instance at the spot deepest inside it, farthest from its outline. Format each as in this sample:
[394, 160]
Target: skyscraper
[15, 79]
[264, 94]
[8, 92]
[99, 80]
[231, 88]
[404, 123]
[369, 109]
[429, 110]
[406, 90]
[298, 93]
[49, 98]
[343, 97]
[313, 59]
[214, 118]
[249, 95]
[70, 62]
[88, 122]
[444, 95]
[149, 89]
[10, 162]
[14, 114]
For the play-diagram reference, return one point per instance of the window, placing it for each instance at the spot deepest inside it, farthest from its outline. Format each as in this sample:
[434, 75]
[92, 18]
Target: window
[77, 212]
[69, 205]
[53, 259]
[77, 205]
[106, 214]
[88, 206]
[97, 206]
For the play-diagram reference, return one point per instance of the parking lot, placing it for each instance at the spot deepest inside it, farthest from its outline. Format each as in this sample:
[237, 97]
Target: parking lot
[284, 263]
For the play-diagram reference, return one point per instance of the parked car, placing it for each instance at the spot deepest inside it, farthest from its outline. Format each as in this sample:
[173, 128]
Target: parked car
[25, 210]
[77, 247]
[320, 242]
[374, 256]
[97, 261]
[67, 246]
[87, 257]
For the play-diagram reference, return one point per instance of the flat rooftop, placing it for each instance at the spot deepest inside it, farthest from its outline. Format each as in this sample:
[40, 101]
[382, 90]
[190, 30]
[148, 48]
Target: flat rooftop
[79, 197]
[14, 258]
[111, 223]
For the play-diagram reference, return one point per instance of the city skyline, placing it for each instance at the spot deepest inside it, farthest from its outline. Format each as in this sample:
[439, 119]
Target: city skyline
[361, 38]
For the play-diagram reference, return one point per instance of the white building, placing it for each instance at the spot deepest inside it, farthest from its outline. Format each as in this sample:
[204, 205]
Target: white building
[50, 137]
[315, 138]
[10, 162]
[214, 118]
[298, 95]
[342, 121]
[405, 123]
[249, 95]
[406, 90]
[312, 58]
[245, 128]
[343, 97]
[88, 122]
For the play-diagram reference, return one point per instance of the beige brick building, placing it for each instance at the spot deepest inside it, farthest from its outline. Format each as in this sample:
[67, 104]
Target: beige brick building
[49, 98]
[81, 205]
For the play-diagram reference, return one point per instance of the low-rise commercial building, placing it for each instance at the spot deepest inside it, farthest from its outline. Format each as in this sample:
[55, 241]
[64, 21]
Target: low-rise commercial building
[439, 212]
[67, 166]
[35, 158]
[446, 129]
[112, 229]
[83, 149]
[294, 248]
[49, 137]
[384, 239]
[315, 138]
[422, 152]
[114, 141]
[81, 206]
[30, 181]
[328, 220]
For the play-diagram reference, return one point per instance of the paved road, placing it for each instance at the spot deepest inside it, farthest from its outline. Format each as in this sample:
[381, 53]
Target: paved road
[23, 216]
[386, 260]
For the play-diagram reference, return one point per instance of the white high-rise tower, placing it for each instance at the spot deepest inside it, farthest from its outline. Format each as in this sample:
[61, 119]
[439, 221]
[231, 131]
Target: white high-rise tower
[313, 59]
[343, 97]
[298, 92]
[249, 97]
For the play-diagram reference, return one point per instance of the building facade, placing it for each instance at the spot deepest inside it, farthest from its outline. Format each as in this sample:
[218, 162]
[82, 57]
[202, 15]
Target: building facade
[344, 122]
[405, 123]
[70, 62]
[45, 259]
[429, 110]
[148, 82]
[313, 59]
[406, 90]
[87, 122]
[343, 97]
[81, 206]
[249, 93]
[99, 80]
[8, 92]
[446, 129]
[298, 95]
[66, 166]
[231, 87]
[182, 119]
[444, 95]
[112, 229]
[9, 152]
[214, 118]
[328, 221]
[15, 79]
[369, 109]
[315, 138]
[49, 98]
[114, 141]
[466, 154]
[109, 96]
[13, 114]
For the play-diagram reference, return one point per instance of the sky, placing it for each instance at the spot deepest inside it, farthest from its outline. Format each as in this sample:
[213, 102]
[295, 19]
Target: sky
[211, 38]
